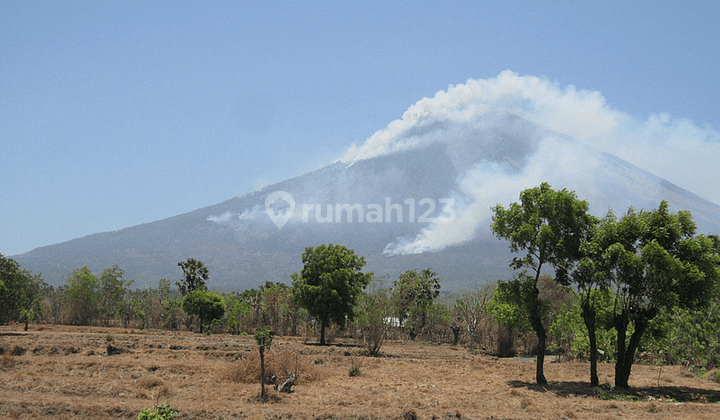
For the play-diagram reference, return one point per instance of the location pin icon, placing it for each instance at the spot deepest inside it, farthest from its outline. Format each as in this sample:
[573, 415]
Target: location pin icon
[280, 212]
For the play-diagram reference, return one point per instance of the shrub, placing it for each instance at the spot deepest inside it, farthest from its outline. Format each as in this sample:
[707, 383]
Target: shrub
[161, 412]
[281, 364]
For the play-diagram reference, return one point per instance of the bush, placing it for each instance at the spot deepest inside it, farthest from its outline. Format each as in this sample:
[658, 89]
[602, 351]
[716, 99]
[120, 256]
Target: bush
[161, 412]
[281, 364]
[354, 365]
[374, 311]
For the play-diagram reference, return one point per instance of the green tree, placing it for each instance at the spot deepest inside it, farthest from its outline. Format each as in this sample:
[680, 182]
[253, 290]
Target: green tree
[20, 293]
[655, 262]
[686, 336]
[510, 305]
[206, 305]
[439, 319]
[548, 226]
[592, 275]
[81, 297]
[571, 332]
[329, 283]
[414, 294]
[111, 289]
[195, 275]
[238, 312]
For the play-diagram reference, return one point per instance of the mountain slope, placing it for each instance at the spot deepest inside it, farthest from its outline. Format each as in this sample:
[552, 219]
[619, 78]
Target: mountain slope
[460, 170]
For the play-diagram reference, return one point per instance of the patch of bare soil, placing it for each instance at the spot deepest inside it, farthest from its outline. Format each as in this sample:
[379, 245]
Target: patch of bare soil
[63, 372]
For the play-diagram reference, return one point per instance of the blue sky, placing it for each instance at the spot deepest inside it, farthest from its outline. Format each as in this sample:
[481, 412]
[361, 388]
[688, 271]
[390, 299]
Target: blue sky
[114, 114]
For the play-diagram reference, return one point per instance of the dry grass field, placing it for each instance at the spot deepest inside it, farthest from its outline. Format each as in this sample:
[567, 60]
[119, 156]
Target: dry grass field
[63, 372]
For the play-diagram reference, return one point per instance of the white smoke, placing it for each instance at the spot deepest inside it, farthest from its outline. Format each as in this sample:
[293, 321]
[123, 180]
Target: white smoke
[490, 183]
[672, 148]
[237, 220]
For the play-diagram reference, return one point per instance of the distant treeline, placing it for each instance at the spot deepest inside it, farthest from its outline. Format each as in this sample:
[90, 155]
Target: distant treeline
[476, 318]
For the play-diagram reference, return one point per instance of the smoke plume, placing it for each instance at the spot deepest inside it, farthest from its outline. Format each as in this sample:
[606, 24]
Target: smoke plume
[669, 147]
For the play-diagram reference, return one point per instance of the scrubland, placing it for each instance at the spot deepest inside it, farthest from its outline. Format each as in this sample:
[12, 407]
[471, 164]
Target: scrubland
[64, 372]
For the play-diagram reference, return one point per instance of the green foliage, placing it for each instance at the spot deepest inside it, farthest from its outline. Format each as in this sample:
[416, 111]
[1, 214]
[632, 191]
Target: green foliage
[20, 292]
[172, 313]
[93, 299]
[263, 337]
[206, 305]
[354, 366]
[510, 304]
[195, 275]
[605, 392]
[413, 295]
[571, 335]
[329, 283]
[237, 312]
[653, 261]
[81, 297]
[110, 291]
[686, 336]
[548, 226]
[161, 412]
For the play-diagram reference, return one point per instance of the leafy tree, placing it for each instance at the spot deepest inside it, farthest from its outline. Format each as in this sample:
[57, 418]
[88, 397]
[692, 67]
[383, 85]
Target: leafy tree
[195, 275]
[439, 319]
[510, 306]
[111, 289]
[413, 294]
[20, 292]
[206, 305]
[592, 275]
[572, 335]
[237, 313]
[81, 297]
[329, 284]
[686, 336]
[548, 226]
[653, 262]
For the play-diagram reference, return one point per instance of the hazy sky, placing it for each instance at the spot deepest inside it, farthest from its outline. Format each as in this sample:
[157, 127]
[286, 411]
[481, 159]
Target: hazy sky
[114, 114]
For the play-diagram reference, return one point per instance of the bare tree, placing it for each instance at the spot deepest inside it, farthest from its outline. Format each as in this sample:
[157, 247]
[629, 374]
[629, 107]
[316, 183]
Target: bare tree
[470, 309]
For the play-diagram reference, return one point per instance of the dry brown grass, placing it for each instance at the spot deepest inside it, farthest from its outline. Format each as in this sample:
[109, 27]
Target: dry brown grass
[282, 364]
[7, 360]
[65, 372]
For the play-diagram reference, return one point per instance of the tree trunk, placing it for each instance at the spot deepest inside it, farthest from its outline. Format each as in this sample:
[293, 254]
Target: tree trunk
[456, 335]
[588, 315]
[262, 371]
[322, 332]
[626, 355]
[539, 328]
[412, 334]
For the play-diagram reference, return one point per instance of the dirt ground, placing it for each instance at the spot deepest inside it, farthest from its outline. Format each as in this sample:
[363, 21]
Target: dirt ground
[63, 372]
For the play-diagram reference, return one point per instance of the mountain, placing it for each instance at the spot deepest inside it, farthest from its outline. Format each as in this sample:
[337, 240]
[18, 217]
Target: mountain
[454, 171]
